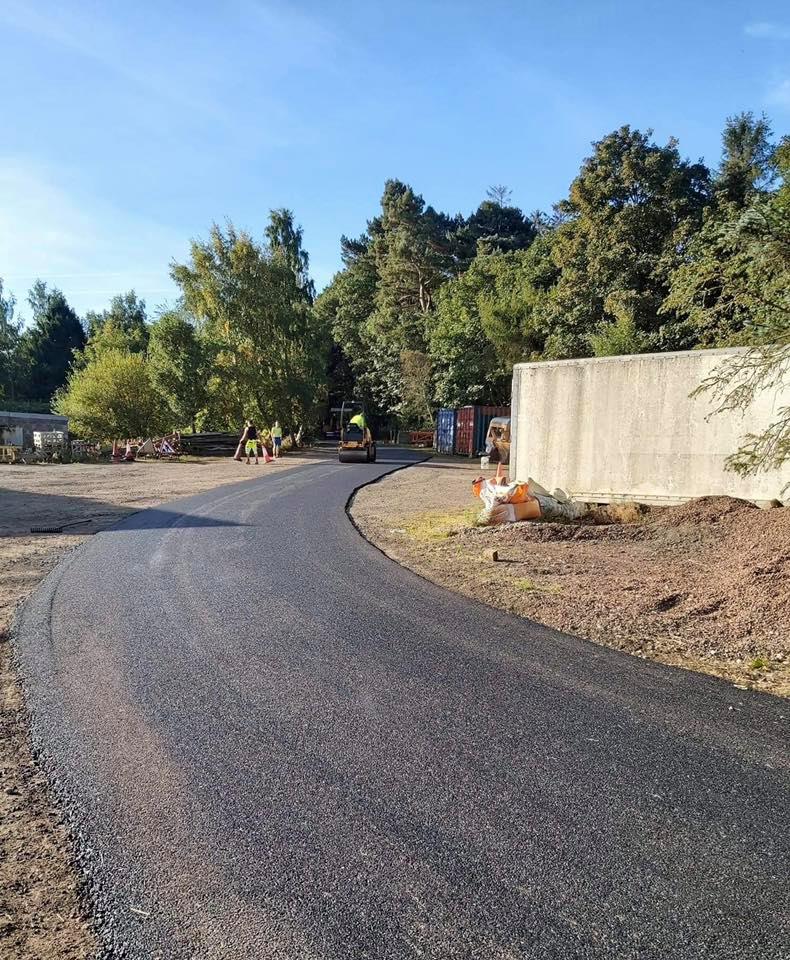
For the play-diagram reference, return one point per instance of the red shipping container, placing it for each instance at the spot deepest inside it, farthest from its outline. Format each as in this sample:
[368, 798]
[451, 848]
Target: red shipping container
[464, 428]
[471, 426]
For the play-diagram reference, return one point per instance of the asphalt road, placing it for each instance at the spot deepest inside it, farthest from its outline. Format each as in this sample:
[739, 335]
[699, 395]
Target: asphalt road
[273, 742]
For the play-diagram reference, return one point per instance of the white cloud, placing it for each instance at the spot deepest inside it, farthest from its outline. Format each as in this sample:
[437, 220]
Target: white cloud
[764, 30]
[91, 254]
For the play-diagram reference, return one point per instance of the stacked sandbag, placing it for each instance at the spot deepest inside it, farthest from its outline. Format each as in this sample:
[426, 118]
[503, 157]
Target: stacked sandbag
[506, 502]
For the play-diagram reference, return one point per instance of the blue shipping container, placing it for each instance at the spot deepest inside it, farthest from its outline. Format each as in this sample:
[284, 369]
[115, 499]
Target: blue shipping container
[445, 431]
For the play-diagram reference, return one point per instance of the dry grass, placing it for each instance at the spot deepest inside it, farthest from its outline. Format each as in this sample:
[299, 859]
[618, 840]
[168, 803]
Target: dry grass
[526, 583]
[440, 524]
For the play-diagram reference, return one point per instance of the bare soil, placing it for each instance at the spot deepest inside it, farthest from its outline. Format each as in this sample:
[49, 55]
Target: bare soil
[705, 585]
[42, 914]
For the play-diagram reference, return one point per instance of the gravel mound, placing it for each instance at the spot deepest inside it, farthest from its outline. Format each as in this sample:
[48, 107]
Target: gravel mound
[703, 510]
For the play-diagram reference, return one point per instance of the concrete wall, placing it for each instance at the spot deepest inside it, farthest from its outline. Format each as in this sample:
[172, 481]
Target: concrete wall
[18, 428]
[626, 428]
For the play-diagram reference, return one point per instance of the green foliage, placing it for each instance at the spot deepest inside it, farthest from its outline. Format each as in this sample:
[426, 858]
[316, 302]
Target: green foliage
[269, 352]
[107, 335]
[755, 283]
[412, 256]
[492, 228]
[747, 166]
[179, 366]
[488, 319]
[620, 336]
[382, 308]
[9, 345]
[285, 242]
[630, 214]
[46, 348]
[27, 406]
[112, 397]
[346, 309]
[700, 296]
[417, 393]
[127, 314]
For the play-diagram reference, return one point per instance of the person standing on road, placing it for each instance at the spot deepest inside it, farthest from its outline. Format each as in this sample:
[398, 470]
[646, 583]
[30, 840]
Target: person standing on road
[277, 439]
[249, 439]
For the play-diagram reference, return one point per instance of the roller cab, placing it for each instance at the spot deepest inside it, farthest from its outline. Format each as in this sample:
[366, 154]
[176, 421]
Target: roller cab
[356, 444]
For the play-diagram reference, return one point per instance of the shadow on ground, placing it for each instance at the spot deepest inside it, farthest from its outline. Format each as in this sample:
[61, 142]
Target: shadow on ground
[19, 511]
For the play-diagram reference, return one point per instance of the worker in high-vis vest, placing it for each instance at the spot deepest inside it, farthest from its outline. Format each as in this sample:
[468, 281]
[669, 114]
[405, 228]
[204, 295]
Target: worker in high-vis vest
[277, 439]
[359, 420]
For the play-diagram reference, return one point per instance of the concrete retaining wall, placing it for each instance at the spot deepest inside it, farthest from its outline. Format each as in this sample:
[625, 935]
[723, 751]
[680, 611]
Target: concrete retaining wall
[626, 428]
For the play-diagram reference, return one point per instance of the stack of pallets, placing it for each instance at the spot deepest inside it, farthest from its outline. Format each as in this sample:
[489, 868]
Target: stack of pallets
[209, 444]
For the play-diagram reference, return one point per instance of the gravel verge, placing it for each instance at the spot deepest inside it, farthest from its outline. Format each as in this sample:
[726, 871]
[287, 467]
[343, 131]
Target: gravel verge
[705, 585]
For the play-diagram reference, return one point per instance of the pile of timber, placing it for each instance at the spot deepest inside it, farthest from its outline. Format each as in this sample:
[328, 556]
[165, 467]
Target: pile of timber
[210, 444]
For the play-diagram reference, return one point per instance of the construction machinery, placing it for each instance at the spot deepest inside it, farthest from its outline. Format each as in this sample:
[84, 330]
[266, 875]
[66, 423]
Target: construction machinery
[498, 440]
[356, 444]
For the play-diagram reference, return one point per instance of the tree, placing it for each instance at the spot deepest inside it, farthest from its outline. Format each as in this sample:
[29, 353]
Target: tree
[493, 228]
[621, 336]
[345, 309]
[377, 307]
[416, 374]
[411, 251]
[747, 167]
[755, 283]
[540, 222]
[38, 297]
[179, 366]
[269, 353]
[48, 346]
[127, 314]
[499, 194]
[9, 346]
[630, 215]
[112, 397]
[703, 313]
[107, 335]
[488, 319]
[285, 242]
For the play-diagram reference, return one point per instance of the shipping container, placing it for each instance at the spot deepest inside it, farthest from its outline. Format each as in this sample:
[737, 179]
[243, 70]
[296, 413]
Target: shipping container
[445, 431]
[471, 426]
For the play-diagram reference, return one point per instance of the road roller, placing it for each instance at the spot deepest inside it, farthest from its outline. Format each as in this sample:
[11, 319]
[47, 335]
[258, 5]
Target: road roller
[356, 443]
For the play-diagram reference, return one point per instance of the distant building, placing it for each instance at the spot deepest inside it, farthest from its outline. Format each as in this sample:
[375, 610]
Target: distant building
[18, 428]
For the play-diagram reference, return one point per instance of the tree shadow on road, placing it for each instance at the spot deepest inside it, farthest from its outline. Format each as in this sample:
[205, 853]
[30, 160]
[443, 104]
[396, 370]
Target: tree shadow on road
[21, 510]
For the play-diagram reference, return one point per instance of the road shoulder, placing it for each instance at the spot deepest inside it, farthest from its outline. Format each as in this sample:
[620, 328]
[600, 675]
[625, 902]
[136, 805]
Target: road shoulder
[704, 586]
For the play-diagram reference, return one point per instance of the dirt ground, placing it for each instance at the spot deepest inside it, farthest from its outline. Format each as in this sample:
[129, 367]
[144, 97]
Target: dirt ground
[705, 585]
[42, 915]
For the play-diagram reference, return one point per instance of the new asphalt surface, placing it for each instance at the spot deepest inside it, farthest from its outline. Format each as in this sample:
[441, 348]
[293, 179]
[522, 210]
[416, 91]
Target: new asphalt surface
[273, 742]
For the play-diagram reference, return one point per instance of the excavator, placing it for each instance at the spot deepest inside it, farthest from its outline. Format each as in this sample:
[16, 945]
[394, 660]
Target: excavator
[356, 443]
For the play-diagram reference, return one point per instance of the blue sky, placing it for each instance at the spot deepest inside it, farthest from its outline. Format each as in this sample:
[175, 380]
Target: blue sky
[128, 128]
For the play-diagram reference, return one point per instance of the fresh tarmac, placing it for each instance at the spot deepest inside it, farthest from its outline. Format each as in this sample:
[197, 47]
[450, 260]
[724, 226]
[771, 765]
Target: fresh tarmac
[274, 742]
